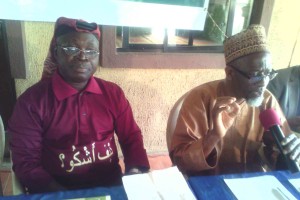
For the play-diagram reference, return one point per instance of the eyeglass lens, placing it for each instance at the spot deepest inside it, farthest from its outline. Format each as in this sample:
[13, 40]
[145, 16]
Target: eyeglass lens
[74, 51]
[255, 79]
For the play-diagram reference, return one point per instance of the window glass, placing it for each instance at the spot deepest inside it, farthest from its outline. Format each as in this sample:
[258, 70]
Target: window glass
[225, 17]
[242, 14]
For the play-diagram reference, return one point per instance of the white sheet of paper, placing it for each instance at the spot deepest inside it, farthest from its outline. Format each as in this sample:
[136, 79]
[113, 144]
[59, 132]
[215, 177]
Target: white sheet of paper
[165, 184]
[171, 184]
[260, 187]
[296, 183]
[140, 186]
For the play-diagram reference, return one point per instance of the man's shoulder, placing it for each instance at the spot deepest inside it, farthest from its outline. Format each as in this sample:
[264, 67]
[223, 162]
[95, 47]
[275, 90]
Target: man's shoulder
[206, 91]
[108, 86]
[211, 86]
[107, 83]
[284, 75]
[35, 94]
[38, 88]
[289, 69]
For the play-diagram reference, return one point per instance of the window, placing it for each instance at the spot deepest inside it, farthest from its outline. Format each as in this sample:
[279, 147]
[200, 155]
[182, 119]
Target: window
[164, 48]
[224, 17]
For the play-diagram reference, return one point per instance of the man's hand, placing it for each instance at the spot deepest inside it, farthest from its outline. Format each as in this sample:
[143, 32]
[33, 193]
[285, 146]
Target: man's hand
[294, 123]
[53, 187]
[224, 113]
[291, 145]
[133, 171]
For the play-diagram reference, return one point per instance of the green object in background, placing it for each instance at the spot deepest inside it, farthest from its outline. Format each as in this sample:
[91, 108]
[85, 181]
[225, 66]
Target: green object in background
[219, 14]
[193, 3]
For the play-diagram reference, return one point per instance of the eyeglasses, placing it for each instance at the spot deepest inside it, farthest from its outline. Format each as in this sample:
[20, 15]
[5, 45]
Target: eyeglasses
[257, 78]
[74, 51]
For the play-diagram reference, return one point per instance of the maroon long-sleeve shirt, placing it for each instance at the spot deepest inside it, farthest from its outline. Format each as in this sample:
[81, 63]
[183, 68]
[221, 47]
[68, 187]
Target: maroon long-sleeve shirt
[58, 133]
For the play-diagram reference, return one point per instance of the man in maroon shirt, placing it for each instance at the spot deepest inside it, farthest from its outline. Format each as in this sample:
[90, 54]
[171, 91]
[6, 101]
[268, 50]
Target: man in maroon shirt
[62, 129]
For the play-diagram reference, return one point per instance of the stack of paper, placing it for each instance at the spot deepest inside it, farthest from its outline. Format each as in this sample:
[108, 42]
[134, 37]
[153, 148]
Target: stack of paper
[260, 187]
[166, 184]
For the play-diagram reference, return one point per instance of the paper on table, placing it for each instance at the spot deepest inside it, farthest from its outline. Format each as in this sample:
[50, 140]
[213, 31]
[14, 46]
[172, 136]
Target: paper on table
[260, 187]
[171, 184]
[106, 197]
[140, 186]
[296, 183]
[166, 184]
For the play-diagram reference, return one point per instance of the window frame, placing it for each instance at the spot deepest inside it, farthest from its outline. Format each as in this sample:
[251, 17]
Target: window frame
[189, 48]
[110, 57]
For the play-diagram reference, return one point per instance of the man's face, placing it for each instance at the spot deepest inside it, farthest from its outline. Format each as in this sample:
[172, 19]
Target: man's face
[77, 68]
[250, 77]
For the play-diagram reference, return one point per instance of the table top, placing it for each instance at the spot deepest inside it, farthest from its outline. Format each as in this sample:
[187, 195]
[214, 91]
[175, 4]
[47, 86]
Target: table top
[204, 187]
[116, 193]
[214, 187]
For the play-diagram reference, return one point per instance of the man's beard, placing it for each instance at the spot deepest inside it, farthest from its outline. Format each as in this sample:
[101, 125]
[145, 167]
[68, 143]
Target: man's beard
[255, 102]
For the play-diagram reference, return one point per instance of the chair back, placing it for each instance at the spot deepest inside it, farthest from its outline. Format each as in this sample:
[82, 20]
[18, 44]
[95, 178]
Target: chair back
[17, 187]
[172, 120]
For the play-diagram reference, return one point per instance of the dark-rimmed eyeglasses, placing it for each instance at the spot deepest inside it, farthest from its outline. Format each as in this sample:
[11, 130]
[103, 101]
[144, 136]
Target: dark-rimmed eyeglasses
[257, 78]
[74, 51]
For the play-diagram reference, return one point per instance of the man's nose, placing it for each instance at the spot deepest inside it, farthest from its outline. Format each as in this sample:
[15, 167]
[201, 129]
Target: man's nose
[82, 55]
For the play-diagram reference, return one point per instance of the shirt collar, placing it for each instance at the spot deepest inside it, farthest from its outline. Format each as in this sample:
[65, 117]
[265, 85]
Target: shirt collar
[63, 90]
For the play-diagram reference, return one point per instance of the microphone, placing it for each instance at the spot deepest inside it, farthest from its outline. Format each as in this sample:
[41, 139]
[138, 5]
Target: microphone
[271, 121]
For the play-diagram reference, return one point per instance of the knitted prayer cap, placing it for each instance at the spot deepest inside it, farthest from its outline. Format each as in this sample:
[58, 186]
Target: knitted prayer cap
[249, 41]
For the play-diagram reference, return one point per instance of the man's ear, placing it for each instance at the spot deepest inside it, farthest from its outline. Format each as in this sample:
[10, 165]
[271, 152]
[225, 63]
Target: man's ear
[228, 72]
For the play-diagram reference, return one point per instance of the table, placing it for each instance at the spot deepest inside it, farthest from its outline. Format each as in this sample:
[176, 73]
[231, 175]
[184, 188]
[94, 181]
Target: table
[116, 193]
[1, 192]
[204, 187]
[214, 187]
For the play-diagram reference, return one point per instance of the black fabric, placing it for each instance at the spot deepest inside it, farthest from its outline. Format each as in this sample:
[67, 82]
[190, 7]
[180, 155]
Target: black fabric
[285, 87]
[65, 29]
[86, 26]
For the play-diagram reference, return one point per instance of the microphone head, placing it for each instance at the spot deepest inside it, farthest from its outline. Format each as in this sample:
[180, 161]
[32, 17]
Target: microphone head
[269, 118]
